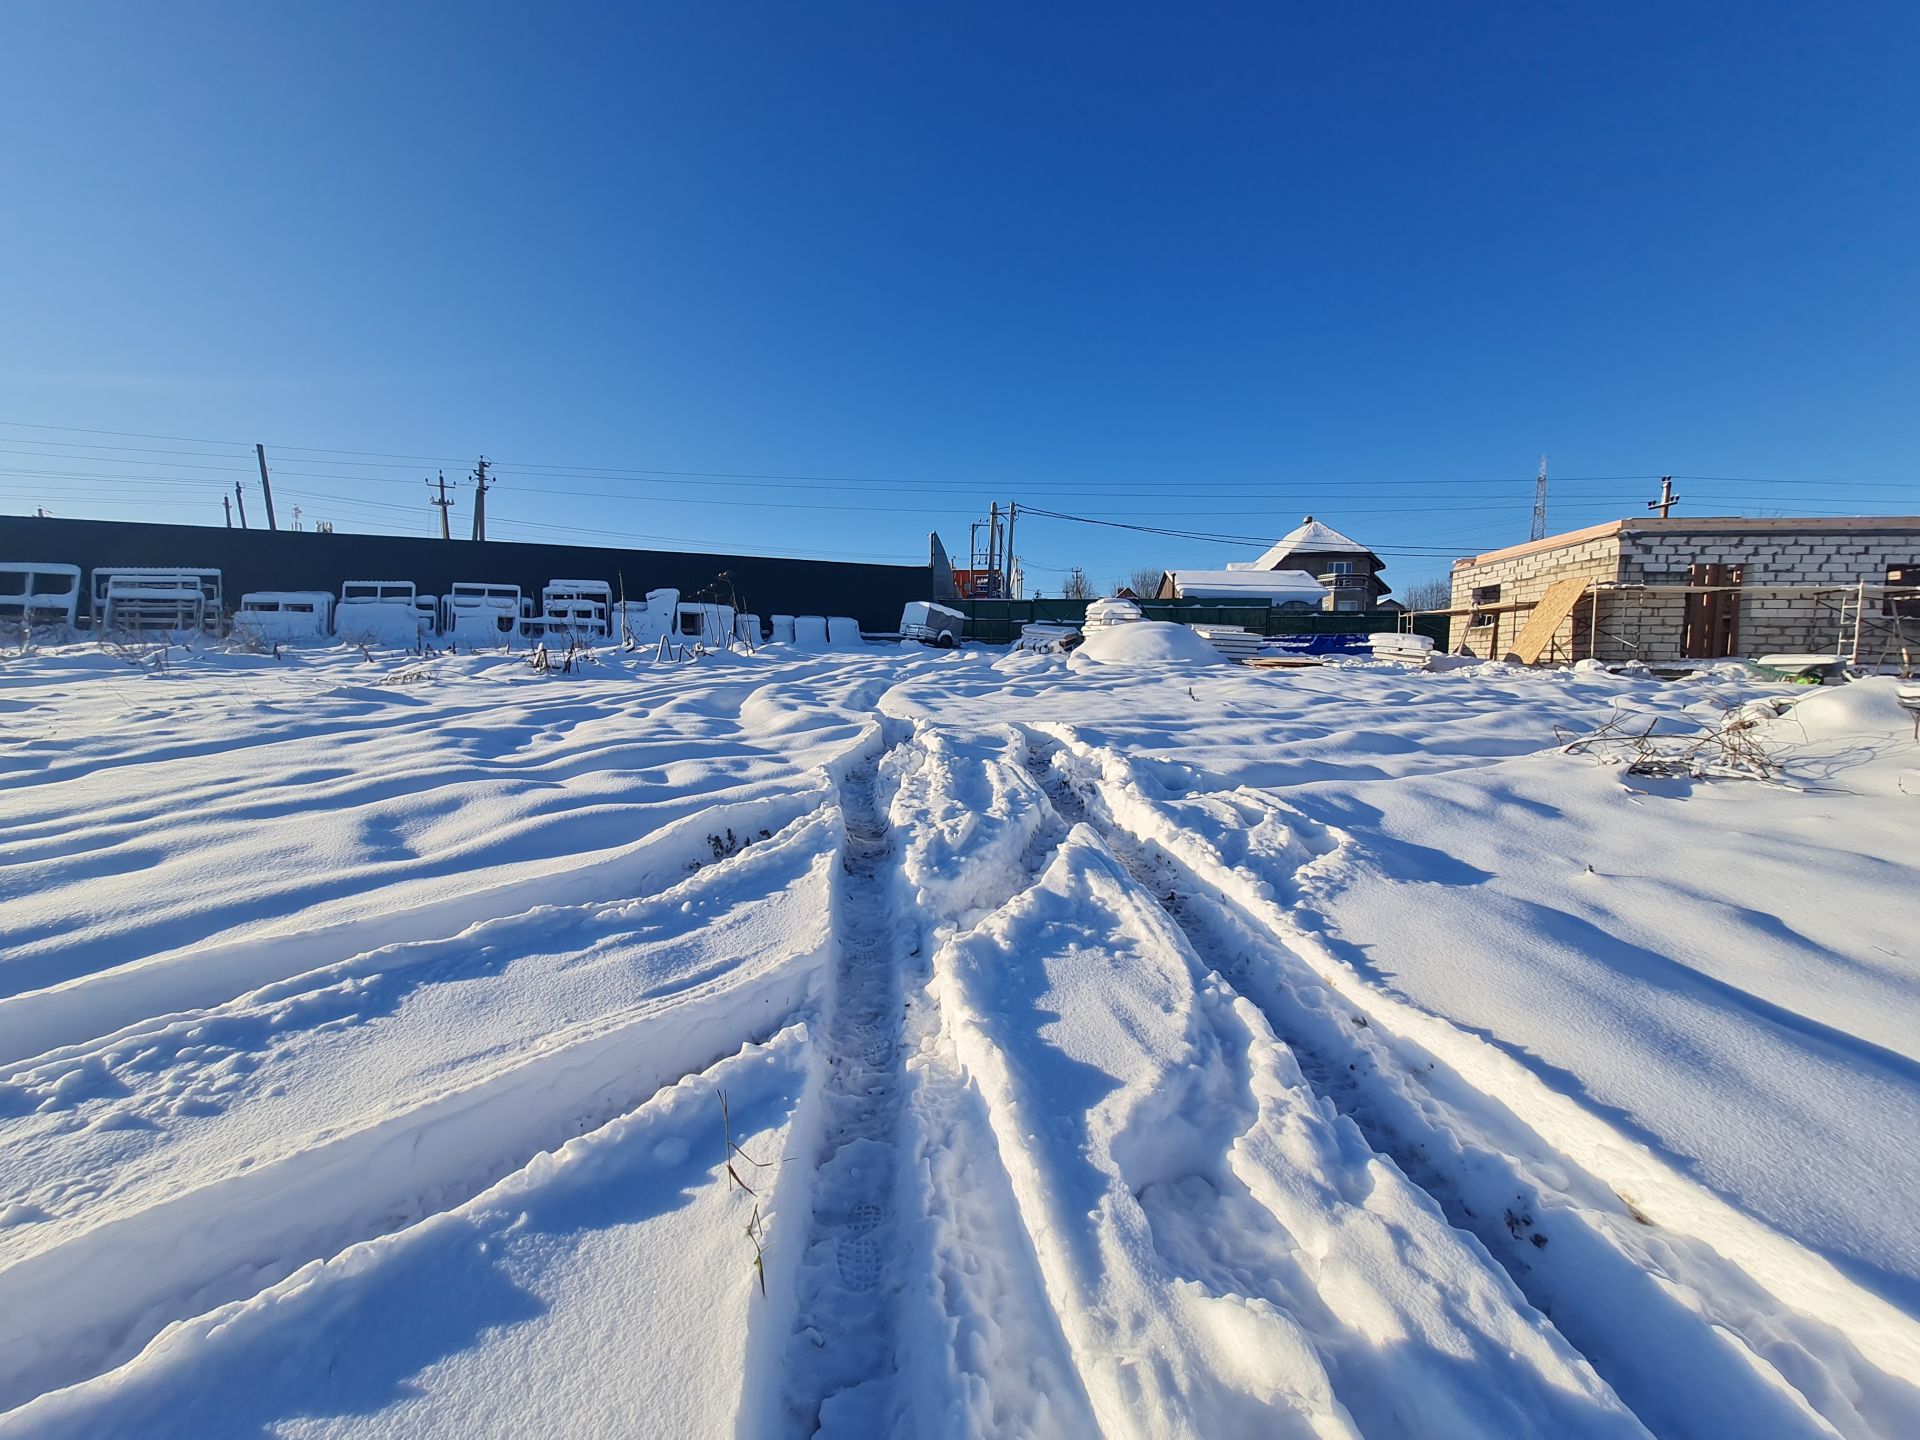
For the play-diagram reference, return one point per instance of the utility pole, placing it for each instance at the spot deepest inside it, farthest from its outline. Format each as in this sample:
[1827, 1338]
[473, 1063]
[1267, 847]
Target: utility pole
[266, 486]
[227, 505]
[1540, 503]
[481, 486]
[240, 503]
[446, 529]
[1013, 509]
[993, 549]
[1667, 498]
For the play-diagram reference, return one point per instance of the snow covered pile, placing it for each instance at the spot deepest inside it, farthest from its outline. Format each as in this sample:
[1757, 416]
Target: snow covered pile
[1864, 707]
[1145, 642]
[1114, 611]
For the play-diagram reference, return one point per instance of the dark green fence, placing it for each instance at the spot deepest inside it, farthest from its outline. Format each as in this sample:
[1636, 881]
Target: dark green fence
[998, 622]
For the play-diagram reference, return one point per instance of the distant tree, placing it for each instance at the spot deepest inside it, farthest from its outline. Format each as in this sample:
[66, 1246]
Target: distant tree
[1436, 594]
[1144, 582]
[1078, 587]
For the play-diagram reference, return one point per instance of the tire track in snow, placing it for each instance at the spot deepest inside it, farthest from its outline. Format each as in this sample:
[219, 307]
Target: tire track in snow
[87, 1301]
[991, 1359]
[842, 1356]
[1266, 1209]
[1628, 1296]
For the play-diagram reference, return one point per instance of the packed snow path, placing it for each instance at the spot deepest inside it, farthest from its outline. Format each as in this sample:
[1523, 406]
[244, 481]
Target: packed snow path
[1110, 1051]
[841, 1362]
[1566, 1239]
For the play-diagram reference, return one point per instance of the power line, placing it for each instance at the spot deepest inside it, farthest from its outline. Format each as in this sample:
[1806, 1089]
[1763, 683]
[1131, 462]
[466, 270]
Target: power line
[561, 470]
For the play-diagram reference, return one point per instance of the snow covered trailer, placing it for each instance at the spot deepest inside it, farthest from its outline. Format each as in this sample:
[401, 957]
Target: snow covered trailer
[576, 610]
[157, 597]
[277, 616]
[711, 625]
[40, 592]
[481, 612]
[932, 624]
[645, 622]
[379, 612]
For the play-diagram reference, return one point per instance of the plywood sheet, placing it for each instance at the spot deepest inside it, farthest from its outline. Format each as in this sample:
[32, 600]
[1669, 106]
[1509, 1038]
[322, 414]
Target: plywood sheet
[1554, 607]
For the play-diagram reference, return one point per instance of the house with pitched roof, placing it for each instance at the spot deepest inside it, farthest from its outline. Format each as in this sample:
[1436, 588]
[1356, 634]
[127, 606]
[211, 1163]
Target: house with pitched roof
[1347, 572]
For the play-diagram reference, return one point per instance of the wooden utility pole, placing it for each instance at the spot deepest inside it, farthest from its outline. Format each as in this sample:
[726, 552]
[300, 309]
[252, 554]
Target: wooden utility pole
[1667, 498]
[227, 505]
[266, 485]
[240, 503]
[446, 529]
[481, 485]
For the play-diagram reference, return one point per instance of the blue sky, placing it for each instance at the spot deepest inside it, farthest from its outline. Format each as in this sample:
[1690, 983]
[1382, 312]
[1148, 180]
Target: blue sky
[1205, 267]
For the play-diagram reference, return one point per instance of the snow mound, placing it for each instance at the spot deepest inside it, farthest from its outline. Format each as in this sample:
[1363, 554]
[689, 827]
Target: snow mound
[1865, 707]
[1146, 642]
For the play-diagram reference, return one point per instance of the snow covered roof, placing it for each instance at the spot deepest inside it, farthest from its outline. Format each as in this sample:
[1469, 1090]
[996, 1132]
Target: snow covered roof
[1312, 538]
[1278, 586]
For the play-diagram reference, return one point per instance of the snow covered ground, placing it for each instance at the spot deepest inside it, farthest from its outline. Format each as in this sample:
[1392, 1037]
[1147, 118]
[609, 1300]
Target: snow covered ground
[922, 1043]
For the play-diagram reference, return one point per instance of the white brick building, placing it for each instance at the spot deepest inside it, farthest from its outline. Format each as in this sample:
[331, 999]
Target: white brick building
[1662, 590]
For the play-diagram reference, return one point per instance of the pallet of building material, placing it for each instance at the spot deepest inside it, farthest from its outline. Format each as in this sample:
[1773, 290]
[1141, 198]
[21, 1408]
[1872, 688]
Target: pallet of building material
[1548, 616]
[1235, 642]
[1102, 613]
[1283, 662]
[1400, 646]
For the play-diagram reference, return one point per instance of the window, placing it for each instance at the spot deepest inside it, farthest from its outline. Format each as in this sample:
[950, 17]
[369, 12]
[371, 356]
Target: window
[1904, 578]
[1340, 567]
[1486, 595]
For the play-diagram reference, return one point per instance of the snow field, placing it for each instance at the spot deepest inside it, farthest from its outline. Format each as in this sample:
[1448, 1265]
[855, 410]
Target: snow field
[501, 1041]
[474, 1320]
[1764, 1324]
[1126, 1048]
[1155, 1148]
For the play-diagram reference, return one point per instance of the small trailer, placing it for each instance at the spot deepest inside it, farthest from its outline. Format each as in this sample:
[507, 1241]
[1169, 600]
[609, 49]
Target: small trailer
[643, 623]
[481, 612]
[277, 616]
[932, 624]
[139, 598]
[575, 610]
[380, 612]
[36, 593]
[708, 625]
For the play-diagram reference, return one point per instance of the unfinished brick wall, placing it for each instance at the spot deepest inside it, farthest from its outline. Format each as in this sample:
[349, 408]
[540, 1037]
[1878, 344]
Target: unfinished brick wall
[1524, 574]
[1632, 624]
[1808, 553]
